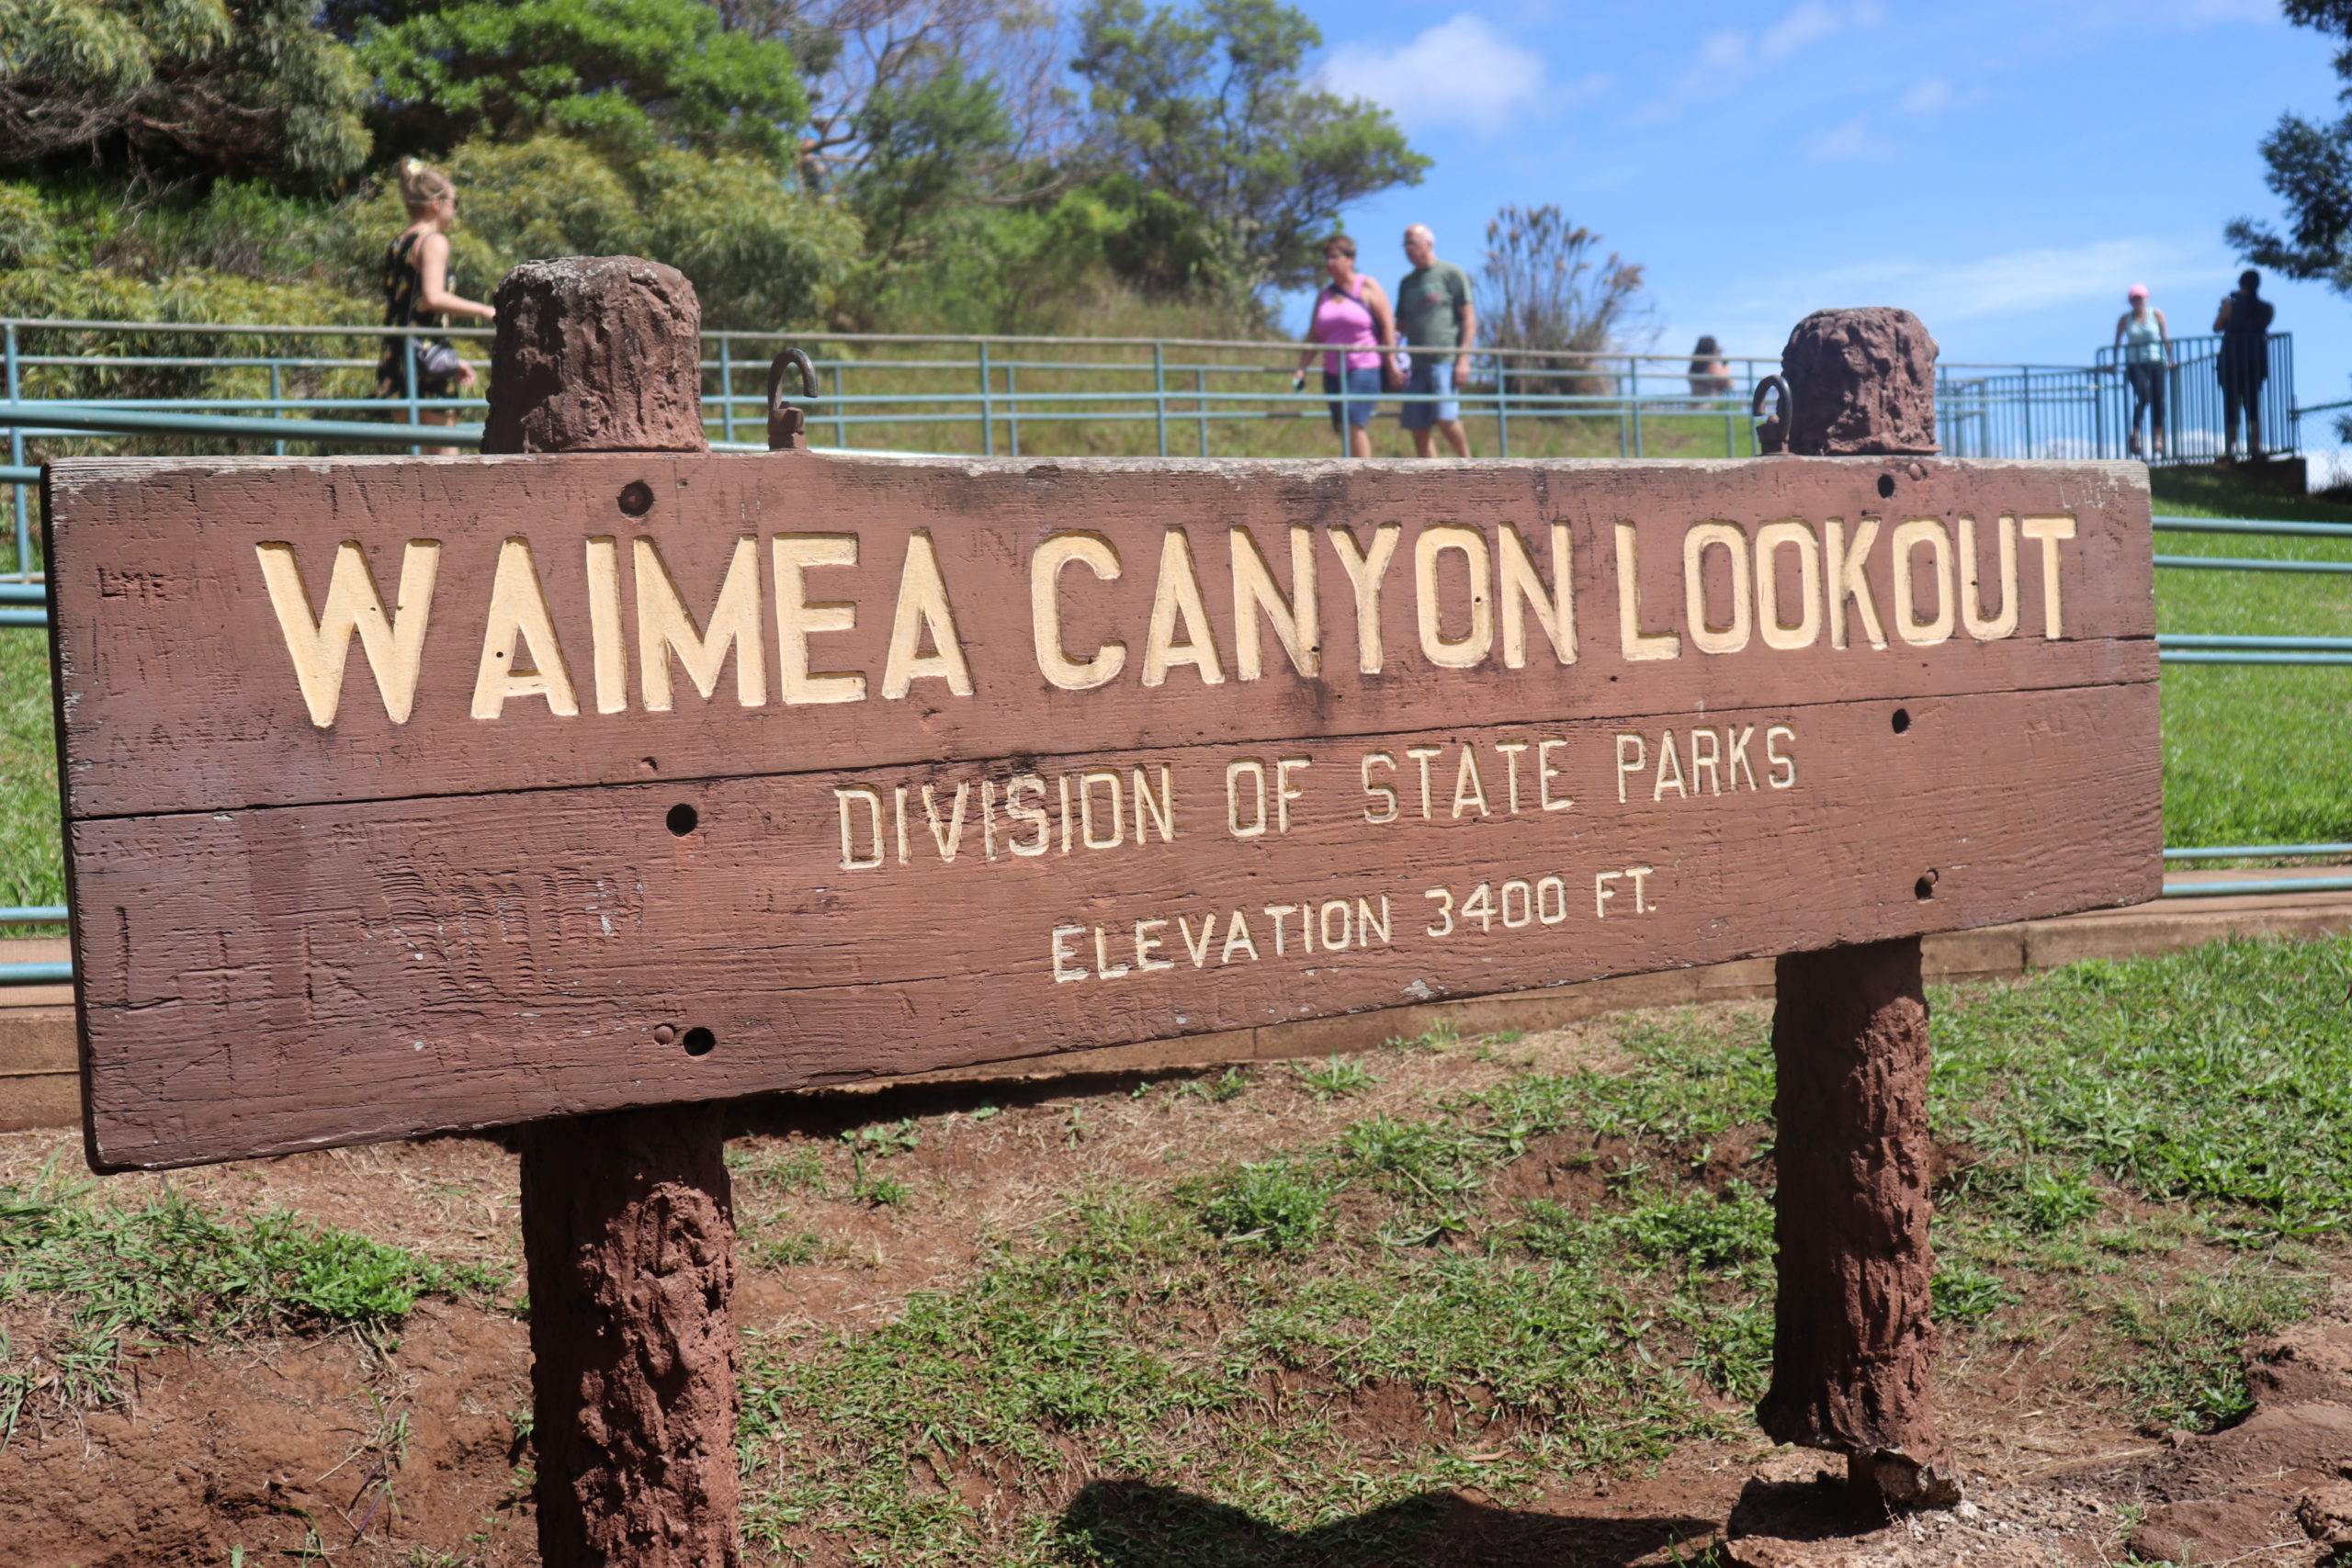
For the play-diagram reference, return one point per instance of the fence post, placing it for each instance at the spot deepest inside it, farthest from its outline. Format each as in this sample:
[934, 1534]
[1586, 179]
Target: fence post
[1633, 378]
[277, 395]
[725, 388]
[841, 419]
[629, 1236]
[987, 410]
[1159, 392]
[1201, 403]
[1853, 1339]
[1012, 402]
[16, 456]
[1502, 407]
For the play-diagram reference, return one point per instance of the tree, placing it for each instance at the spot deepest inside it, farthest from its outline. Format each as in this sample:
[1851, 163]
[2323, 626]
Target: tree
[170, 89]
[2310, 169]
[630, 76]
[1207, 105]
[858, 56]
[1545, 290]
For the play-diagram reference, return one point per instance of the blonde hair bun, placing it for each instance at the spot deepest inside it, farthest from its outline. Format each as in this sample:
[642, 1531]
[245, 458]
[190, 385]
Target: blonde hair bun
[422, 186]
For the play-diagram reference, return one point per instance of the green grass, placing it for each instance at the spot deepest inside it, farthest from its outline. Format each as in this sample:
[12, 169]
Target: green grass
[123, 1277]
[32, 868]
[2254, 754]
[2161, 1148]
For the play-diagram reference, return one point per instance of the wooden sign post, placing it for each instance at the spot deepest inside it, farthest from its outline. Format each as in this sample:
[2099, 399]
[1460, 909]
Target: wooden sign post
[590, 785]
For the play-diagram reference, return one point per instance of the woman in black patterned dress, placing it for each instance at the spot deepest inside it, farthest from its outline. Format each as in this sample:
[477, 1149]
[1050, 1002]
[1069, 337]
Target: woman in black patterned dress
[420, 291]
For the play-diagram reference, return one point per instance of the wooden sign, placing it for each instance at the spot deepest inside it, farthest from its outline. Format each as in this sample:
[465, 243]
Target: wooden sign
[407, 794]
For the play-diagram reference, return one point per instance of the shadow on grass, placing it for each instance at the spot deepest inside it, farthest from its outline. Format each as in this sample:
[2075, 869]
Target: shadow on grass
[1131, 1524]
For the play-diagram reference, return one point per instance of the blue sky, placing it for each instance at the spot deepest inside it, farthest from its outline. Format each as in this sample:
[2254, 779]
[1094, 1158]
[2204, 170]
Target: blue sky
[2004, 168]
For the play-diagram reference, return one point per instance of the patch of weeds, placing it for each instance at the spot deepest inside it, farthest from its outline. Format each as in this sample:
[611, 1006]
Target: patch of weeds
[1273, 1205]
[1226, 1086]
[875, 1144]
[787, 1251]
[1332, 1079]
[1962, 1292]
[172, 1270]
[2220, 1076]
[1436, 1040]
[884, 1191]
[2182, 1366]
[797, 1169]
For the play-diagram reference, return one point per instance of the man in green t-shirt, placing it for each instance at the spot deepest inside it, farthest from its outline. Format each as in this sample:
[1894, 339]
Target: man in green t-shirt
[1437, 320]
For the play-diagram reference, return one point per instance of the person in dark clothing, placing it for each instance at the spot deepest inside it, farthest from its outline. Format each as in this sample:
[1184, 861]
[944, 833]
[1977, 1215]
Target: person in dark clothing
[2244, 325]
[421, 291]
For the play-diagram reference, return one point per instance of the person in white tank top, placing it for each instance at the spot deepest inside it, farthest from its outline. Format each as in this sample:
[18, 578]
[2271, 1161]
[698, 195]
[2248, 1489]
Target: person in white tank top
[2146, 345]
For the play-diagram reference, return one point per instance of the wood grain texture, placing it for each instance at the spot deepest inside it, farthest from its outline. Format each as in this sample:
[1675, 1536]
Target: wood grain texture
[292, 933]
[180, 695]
[260, 981]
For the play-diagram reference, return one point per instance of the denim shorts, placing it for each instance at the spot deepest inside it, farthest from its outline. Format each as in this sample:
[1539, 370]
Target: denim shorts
[1362, 390]
[1431, 377]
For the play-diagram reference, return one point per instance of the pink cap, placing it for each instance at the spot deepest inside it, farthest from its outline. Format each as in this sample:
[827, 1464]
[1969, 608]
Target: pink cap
[2137, 291]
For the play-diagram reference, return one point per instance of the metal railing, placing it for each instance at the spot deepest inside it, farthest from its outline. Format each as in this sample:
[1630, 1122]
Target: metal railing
[1015, 396]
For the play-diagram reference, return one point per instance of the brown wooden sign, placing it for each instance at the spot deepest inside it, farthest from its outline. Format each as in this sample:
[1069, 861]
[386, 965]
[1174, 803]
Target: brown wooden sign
[407, 794]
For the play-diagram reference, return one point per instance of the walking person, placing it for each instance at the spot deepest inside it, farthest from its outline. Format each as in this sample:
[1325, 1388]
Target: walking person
[2146, 344]
[2244, 323]
[421, 291]
[1710, 376]
[1351, 316]
[1436, 319]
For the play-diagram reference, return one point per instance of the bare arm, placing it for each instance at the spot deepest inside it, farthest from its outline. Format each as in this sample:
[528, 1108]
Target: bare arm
[2221, 317]
[1469, 340]
[432, 282]
[1382, 322]
[2164, 334]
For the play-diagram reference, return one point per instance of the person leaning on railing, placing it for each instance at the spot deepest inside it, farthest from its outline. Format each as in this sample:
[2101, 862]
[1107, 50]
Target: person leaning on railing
[2244, 363]
[421, 291]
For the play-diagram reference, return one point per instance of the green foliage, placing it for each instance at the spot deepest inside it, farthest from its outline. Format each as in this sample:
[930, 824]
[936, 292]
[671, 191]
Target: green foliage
[26, 236]
[2308, 169]
[628, 76]
[1334, 1077]
[172, 88]
[1273, 1205]
[761, 255]
[1208, 106]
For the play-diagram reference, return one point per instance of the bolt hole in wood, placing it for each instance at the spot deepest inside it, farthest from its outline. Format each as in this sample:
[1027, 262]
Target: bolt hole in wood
[699, 1042]
[1885, 488]
[682, 818]
[1902, 721]
[637, 498]
[1924, 888]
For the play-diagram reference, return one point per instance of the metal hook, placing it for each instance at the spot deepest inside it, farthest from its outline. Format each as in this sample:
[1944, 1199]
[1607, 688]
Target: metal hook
[785, 422]
[1772, 434]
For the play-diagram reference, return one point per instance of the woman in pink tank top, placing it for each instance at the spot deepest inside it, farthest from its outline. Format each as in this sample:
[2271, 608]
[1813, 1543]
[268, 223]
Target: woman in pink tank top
[1351, 314]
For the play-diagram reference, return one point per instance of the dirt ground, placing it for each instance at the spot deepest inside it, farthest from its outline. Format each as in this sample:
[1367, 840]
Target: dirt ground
[405, 1450]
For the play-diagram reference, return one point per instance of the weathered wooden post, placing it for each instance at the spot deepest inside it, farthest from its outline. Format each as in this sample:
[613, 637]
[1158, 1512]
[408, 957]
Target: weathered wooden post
[1853, 1340]
[628, 1231]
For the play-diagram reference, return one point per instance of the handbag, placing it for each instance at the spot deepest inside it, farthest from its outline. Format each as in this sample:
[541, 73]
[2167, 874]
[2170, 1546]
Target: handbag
[436, 358]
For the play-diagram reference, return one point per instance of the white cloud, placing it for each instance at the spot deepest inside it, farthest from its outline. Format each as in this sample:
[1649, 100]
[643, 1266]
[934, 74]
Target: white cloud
[1462, 72]
[1927, 96]
[1950, 294]
[1850, 140]
[1809, 21]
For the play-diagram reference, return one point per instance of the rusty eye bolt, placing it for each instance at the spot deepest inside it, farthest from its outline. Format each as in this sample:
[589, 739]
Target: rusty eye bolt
[785, 422]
